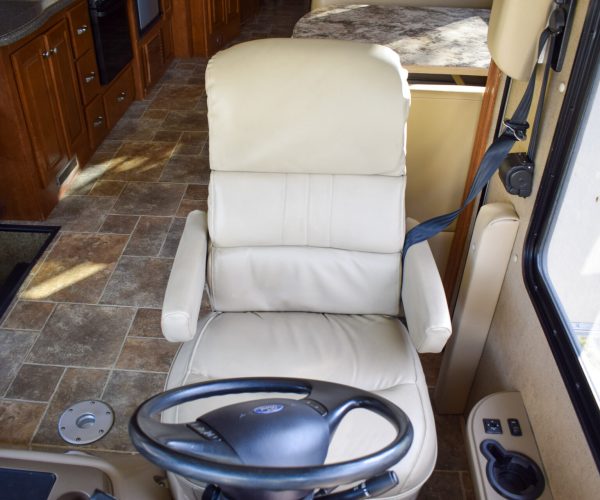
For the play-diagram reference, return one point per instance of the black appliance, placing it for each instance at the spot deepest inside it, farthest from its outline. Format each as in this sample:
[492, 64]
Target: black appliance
[110, 26]
[148, 12]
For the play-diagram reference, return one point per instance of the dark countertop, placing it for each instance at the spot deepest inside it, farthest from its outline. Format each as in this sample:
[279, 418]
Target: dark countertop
[19, 18]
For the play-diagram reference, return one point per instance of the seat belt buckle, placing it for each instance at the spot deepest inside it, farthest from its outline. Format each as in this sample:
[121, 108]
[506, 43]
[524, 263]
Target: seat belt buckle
[517, 130]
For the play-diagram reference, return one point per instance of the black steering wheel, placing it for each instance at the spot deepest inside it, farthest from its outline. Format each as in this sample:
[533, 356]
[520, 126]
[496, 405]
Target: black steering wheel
[268, 444]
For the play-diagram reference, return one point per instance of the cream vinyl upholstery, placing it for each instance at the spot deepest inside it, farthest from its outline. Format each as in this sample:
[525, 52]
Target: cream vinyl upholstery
[302, 241]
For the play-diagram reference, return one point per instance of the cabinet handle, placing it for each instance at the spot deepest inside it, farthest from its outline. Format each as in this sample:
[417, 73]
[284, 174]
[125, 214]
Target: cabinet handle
[82, 30]
[98, 122]
[121, 96]
[49, 53]
[90, 78]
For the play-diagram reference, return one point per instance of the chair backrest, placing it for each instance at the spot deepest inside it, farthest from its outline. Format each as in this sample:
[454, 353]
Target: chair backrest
[306, 196]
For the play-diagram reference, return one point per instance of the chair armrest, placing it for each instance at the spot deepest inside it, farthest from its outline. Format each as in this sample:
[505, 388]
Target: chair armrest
[424, 300]
[183, 297]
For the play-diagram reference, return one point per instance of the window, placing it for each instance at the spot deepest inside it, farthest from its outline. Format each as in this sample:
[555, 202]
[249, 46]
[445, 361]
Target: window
[562, 251]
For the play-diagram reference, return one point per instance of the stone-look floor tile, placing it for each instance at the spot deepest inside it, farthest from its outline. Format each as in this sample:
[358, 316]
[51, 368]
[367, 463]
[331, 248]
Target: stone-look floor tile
[77, 268]
[138, 281]
[83, 183]
[136, 109]
[188, 169]
[467, 484]
[148, 237]
[28, 315]
[18, 421]
[35, 382]
[431, 367]
[139, 161]
[196, 192]
[109, 147]
[77, 384]
[442, 485]
[156, 114]
[167, 136]
[80, 213]
[451, 443]
[124, 392]
[154, 355]
[169, 249]
[189, 205]
[146, 198]
[191, 143]
[146, 324]
[119, 224]
[173, 96]
[83, 335]
[107, 188]
[130, 129]
[191, 121]
[14, 346]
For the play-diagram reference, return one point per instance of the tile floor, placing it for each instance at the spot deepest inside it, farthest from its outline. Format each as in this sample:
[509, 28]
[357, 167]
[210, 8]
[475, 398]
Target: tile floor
[87, 321]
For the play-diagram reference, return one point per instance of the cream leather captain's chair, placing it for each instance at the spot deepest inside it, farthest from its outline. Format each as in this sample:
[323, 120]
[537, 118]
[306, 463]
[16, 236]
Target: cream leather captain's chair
[301, 246]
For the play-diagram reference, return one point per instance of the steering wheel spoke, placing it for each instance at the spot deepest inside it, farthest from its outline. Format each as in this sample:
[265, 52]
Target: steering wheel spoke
[192, 439]
[213, 449]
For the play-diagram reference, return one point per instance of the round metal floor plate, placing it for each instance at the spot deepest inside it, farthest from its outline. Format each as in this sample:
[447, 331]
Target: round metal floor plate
[85, 422]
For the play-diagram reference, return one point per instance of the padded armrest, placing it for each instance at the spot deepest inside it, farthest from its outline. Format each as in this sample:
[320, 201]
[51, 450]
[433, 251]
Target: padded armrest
[424, 299]
[183, 297]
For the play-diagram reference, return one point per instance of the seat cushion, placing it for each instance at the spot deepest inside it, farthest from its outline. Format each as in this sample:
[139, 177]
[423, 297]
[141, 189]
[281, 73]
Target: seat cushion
[373, 353]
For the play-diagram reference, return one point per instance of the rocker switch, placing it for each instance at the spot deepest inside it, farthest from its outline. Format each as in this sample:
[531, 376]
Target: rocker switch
[492, 426]
[514, 427]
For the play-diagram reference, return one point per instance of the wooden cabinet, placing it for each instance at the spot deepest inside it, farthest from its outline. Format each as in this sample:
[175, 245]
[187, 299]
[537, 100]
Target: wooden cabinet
[67, 87]
[205, 26]
[40, 107]
[153, 52]
[48, 87]
[119, 96]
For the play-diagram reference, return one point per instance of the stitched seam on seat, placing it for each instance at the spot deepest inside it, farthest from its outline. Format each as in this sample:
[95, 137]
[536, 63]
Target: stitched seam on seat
[197, 342]
[285, 206]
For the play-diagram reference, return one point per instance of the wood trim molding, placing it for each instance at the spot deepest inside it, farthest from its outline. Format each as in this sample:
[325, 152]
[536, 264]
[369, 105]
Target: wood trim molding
[463, 223]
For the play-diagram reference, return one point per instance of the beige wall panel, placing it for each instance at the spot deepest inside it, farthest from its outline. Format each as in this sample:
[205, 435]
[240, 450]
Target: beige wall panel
[440, 133]
[517, 355]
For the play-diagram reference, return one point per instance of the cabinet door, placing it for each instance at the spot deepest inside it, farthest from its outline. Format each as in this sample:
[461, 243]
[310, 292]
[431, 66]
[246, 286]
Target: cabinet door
[215, 22]
[167, 40]
[67, 86]
[40, 106]
[231, 19]
[153, 59]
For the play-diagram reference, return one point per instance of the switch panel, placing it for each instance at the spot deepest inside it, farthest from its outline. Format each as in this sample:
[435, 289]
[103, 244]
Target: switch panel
[515, 427]
[492, 426]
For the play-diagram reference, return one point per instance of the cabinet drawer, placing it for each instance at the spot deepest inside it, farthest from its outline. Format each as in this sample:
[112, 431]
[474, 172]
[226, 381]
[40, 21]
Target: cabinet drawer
[97, 123]
[119, 96]
[87, 73]
[80, 28]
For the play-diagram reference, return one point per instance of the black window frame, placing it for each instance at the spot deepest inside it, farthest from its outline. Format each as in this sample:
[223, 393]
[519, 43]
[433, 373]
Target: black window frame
[582, 84]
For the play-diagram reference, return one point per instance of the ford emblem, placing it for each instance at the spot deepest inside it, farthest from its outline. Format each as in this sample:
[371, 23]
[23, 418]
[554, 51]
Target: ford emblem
[268, 409]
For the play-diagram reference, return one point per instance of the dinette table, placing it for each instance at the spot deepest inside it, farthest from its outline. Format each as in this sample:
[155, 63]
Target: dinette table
[432, 40]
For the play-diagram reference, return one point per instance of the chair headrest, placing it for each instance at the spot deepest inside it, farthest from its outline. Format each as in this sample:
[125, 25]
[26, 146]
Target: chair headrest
[514, 30]
[307, 106]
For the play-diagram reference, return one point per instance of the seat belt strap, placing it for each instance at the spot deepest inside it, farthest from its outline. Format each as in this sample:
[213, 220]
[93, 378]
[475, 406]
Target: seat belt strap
[514, 131]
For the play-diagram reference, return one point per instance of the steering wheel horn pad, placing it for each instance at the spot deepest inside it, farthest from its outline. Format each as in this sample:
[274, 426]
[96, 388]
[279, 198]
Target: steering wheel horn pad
[267, 444]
